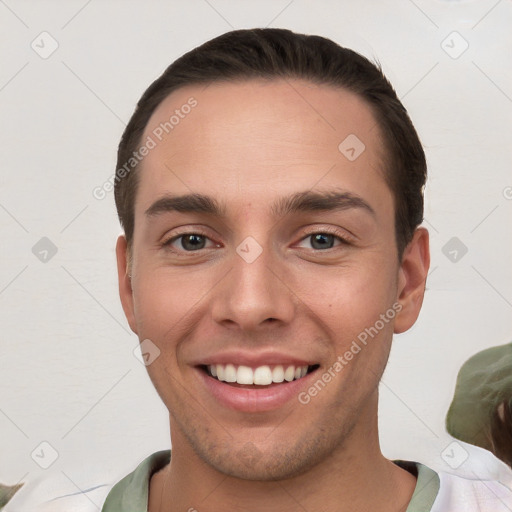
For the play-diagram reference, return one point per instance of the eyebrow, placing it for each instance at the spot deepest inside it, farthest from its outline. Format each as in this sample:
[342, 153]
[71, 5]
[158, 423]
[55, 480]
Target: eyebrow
[306, 201]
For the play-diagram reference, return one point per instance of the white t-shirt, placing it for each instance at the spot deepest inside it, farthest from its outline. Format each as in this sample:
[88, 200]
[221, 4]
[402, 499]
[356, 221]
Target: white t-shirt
[485, 485]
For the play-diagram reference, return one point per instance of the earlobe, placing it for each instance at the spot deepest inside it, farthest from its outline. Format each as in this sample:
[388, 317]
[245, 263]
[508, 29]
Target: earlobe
[125, 282]
[412, 278]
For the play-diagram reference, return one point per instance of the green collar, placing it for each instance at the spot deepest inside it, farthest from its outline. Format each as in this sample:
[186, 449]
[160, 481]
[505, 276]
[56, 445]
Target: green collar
[131, 493]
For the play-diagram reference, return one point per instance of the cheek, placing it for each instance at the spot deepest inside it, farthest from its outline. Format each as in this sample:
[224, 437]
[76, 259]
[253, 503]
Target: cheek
[165, 302]
[166, 307]
[350, 299]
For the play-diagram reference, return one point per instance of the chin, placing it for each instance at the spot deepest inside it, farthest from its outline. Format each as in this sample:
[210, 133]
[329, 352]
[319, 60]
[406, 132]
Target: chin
[279, 461]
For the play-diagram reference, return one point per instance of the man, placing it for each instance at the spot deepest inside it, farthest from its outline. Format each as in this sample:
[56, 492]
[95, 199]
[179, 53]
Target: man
[270, 187]
[271, 225]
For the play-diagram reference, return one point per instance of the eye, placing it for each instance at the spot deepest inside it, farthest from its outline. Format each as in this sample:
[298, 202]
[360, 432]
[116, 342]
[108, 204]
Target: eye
[188, 242]
[324, 240]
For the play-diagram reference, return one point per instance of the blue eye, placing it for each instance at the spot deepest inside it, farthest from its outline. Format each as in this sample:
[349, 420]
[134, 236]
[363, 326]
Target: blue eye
[323, 240]
[188, 242]
[194, 242]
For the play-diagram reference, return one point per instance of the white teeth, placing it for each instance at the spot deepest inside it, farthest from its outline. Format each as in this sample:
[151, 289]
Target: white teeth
[263, 376]
[230, 373]
[244, 375]
[278, 374]
[260, 376]
[289, 374]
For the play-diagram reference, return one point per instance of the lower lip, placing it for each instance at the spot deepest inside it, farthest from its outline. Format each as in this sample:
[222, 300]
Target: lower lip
[254, 399]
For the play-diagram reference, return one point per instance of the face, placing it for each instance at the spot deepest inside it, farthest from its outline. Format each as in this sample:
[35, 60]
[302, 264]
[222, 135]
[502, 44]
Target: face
[262, 252]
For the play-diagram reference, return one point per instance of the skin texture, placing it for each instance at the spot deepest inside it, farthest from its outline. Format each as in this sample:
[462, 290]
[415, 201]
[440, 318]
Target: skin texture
[247, 144]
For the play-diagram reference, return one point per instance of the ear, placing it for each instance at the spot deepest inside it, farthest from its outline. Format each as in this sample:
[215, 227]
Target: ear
[125, 281]
[412, 277]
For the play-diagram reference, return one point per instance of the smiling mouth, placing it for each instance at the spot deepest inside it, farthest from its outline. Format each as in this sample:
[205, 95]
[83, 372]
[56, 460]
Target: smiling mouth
[265, 375]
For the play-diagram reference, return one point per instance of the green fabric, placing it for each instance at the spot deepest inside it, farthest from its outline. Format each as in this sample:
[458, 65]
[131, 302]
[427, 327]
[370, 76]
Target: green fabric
[131, 493]
[483, 382]
[7, 492]
[427, 485]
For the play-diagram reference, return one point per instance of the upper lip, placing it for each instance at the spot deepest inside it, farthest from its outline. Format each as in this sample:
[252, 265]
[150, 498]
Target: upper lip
[253, 359]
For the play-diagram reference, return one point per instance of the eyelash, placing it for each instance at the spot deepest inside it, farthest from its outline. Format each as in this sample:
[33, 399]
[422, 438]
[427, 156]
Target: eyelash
[344, 239]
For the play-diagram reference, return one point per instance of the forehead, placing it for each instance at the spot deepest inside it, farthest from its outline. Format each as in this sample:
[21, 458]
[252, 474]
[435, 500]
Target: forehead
[248, 138]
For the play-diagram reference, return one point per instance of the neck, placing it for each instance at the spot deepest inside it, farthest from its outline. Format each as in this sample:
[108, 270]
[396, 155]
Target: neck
[355, 477]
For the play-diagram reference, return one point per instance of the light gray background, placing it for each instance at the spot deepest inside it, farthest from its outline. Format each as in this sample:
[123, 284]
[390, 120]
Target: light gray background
[68, 375]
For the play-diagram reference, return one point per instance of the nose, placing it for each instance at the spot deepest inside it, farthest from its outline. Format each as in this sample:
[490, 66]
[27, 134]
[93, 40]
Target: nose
[254, 294]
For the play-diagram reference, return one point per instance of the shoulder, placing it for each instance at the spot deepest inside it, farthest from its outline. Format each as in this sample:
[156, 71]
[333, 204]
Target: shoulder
[131, 492]
[57, 492]
[464, 494]
[481, 482]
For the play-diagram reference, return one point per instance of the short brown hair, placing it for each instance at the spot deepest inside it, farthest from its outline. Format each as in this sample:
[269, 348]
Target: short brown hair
[278, 53]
